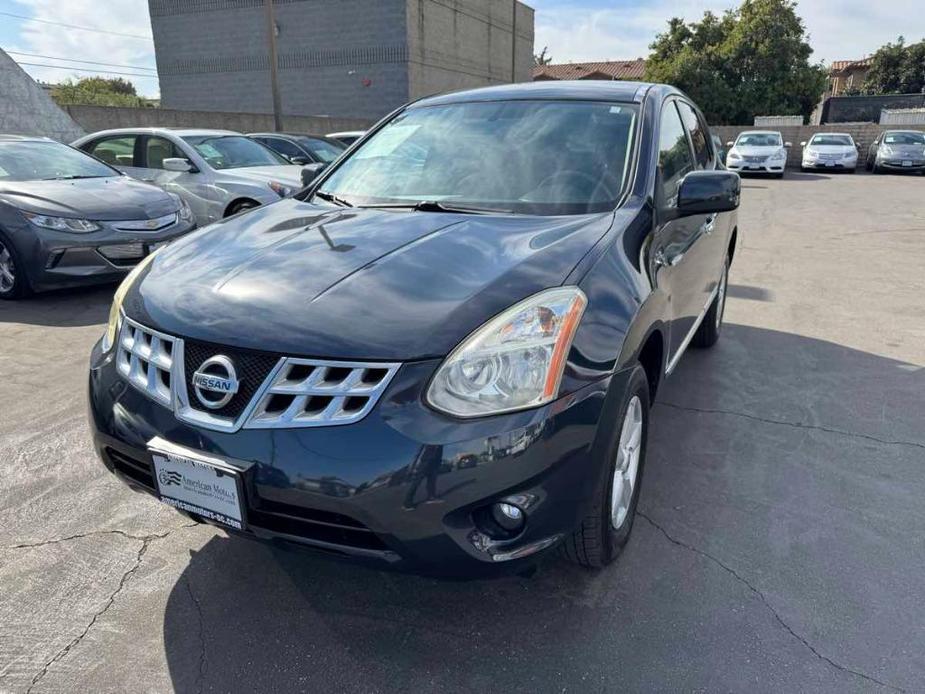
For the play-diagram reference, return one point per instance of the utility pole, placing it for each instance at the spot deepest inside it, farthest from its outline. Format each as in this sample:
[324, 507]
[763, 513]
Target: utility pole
[274, 76]
[513, 41]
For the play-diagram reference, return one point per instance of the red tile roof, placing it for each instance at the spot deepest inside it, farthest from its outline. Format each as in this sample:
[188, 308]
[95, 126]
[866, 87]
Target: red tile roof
[608, 70]
[842, 65]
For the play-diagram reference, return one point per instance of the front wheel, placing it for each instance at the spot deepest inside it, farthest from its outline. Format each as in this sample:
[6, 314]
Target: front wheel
[13, 283]
[711, 325]
[606, 529]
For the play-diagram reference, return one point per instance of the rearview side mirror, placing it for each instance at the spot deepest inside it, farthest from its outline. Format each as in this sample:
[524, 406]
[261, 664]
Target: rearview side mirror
[709, 192]
[310, 172]
[788, 144]
[300, 160]
[803, 144]
[730, 143]
[177, 164]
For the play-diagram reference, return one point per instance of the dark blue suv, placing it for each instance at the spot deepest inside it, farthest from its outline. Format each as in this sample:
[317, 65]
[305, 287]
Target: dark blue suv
[440, 356]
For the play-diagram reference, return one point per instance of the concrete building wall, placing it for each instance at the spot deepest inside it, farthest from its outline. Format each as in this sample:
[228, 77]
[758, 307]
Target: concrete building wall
[342, 58]
[460, 44]
[27, 109]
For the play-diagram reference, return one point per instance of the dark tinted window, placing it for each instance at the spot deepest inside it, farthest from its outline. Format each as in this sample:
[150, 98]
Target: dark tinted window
[115, 151]
[281, 146]
[674, 156]
[323, 150]
[698, 135]
[234, 151]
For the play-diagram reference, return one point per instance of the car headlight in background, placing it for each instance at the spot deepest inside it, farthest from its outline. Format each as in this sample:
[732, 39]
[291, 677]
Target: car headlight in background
[115, 311]
[734, 155]
[184, 211]
[513, 362]
[73, 226]
[777, 156]
[281, 189]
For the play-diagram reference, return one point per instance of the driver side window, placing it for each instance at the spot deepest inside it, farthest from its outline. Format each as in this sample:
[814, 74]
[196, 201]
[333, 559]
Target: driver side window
[674, 157]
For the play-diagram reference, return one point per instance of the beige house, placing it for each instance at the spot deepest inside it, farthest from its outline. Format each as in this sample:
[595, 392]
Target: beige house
[847, 74]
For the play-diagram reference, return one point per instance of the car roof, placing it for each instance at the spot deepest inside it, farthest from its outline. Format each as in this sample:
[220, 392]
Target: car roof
[828, 133]
[760, 132]
[267, 134]
[179, 132]
[578, 90]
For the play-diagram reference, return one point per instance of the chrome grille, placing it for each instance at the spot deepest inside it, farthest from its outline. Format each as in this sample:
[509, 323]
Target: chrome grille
[294, 393]
[311, 393]
[754, 159]
[144, 357]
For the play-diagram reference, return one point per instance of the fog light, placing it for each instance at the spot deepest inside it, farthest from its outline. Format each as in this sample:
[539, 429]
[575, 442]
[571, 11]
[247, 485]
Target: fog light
[508, 516]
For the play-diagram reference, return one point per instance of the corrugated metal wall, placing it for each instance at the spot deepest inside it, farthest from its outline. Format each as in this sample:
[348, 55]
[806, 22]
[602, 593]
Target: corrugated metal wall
[905, 116]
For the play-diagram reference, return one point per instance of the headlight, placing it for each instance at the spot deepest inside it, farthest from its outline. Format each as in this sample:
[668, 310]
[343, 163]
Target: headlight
[281, 189]
[513, 362]
[74, 226]
[887, 150]
[183, 209]
[734, 155]
[779, 155]
[811, 154]
[115, 311]
[849, 155]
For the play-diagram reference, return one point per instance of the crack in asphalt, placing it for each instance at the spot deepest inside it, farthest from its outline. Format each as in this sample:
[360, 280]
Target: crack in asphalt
[145, 541]
[96, 533]
[761, 596]
[200, 679]
[795, 425]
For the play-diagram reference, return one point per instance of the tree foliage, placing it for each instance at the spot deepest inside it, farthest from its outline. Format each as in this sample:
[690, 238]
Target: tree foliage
[97, 91]
[750, 61]
[897, 69]
[543, 57]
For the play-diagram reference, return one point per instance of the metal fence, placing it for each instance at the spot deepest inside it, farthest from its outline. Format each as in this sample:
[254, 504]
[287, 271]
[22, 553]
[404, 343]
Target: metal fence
[902, 116]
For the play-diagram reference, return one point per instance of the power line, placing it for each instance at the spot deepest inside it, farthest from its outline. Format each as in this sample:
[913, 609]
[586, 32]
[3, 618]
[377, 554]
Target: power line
[74, 26]
[88, 62]
[82, 69]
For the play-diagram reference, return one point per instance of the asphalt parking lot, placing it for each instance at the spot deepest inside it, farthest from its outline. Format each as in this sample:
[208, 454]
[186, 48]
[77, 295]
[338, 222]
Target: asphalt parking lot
[781, 545]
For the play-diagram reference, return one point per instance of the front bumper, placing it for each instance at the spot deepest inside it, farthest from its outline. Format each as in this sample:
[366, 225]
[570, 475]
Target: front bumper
[399, 489]
[916, 165]
[830, 164]
[56, 259]
[766, 167]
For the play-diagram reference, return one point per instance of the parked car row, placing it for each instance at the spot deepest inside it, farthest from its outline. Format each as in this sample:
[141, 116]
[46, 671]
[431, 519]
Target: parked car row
[765, 152]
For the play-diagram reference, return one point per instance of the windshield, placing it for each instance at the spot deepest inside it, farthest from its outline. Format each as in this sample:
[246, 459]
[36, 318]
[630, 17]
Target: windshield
[233, 151]
[758, 140]
[325, 150]
[529, 157]
[832, 140]
[904, 139]
[48, 161]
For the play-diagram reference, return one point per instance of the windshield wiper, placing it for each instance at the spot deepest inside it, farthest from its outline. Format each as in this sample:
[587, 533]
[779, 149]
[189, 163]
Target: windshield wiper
[71, 178]
[435, 206]
[330, 197]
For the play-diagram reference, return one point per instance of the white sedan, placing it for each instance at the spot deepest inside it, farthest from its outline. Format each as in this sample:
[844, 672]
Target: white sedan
[758, 151]
[830, 151]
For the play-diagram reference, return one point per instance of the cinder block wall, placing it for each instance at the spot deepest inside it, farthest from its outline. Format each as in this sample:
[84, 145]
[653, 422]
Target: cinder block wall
[863, 134]
[94, 118]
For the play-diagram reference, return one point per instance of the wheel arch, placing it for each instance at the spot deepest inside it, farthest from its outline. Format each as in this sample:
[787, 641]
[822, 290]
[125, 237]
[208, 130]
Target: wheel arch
[237, 201]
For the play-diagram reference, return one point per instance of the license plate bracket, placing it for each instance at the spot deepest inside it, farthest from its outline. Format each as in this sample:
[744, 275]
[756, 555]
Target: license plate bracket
[198, 483]
[906, 162]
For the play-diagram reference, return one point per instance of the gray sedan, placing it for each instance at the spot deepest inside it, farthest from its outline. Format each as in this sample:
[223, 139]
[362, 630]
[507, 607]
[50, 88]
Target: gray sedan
[67, 219]
[218, 172]
[897, 150]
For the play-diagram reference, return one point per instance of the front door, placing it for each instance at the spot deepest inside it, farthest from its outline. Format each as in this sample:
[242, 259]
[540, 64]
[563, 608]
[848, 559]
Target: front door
[193, 186]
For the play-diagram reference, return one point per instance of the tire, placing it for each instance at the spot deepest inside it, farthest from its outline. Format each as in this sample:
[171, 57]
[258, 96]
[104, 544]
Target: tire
[712, 324]
[241, 206]
[597, 542]
[13, 282]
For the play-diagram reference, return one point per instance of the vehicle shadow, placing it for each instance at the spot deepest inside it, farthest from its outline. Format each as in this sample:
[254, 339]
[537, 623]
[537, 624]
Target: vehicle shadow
[65, 308]
[247, 617]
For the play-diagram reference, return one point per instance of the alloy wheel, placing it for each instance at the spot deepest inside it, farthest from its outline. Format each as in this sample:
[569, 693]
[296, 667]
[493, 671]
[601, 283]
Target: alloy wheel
[7, 270]
[626, 470]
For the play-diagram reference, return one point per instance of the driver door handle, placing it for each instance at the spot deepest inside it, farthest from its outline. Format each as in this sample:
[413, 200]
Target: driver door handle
[709, 225]
[662, 260]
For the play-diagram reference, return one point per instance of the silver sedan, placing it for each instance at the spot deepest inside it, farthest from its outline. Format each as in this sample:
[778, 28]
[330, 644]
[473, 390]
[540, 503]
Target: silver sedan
[218, 172]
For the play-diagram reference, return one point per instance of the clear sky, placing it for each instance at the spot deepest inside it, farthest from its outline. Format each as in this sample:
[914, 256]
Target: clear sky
[574, 30]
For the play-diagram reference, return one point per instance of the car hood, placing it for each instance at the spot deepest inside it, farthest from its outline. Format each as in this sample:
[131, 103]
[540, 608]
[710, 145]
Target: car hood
[115, 198]
[908, 150]
[288, 174]
[832, 149]
[306, 280]
[749, 151]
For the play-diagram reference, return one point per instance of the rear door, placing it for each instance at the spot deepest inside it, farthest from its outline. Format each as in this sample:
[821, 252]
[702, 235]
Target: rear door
[680, 257]
[121, 151]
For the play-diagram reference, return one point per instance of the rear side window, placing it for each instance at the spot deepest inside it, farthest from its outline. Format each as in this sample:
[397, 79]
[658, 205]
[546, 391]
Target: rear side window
[698, 133]
[281, 146]
[115, 151]
[674, 157]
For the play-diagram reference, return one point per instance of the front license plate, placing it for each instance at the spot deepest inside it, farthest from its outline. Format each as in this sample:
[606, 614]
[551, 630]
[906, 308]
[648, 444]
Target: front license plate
[907, 163]
[198, 484]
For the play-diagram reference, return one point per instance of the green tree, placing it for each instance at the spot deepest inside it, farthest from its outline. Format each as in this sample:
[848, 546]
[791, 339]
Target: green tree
[754, 60]
[897, 69]
[97, 91]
